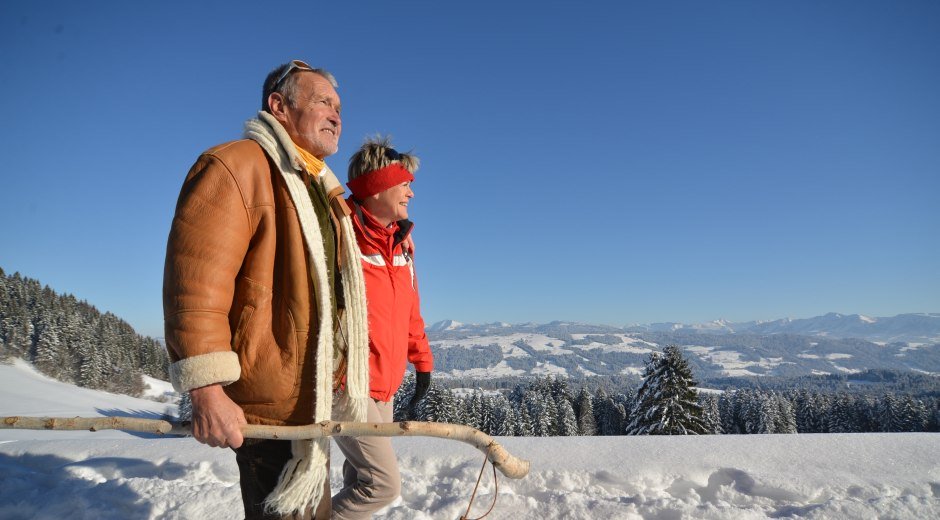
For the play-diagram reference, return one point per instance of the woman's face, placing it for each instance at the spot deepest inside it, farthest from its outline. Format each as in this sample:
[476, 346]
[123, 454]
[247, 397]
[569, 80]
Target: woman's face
[390, 205]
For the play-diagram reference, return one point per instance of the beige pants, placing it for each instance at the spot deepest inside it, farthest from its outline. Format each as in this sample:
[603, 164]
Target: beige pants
[370, 474]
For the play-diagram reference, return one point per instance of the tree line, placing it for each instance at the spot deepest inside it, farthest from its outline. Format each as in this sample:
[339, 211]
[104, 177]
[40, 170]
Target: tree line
[72, 341]
[665, 403]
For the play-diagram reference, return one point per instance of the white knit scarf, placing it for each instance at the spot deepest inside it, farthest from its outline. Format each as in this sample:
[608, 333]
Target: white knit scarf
[301, 483]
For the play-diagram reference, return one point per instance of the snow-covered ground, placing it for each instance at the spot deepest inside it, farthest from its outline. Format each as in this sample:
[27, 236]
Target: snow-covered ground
[116, 475]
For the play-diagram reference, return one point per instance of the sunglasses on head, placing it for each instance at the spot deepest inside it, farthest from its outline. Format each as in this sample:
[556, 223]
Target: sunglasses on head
[294, 65]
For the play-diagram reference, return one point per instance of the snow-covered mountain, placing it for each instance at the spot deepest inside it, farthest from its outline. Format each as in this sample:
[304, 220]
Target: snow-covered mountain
[910, 328]
[830, 344]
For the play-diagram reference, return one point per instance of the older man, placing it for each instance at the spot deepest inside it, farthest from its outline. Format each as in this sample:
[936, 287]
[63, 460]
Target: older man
[264, 300]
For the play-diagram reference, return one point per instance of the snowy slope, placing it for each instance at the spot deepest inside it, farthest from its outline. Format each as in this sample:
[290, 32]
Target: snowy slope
[786, 348]
[113, 475]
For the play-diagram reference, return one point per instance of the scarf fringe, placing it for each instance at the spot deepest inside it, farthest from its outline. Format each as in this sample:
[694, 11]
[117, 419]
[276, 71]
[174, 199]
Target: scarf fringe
[301, 484]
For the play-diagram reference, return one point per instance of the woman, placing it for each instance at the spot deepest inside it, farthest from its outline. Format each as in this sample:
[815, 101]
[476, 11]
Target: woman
[380, 182]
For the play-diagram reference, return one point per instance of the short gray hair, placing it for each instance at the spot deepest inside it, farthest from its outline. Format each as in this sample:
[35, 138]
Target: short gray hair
[288, 87]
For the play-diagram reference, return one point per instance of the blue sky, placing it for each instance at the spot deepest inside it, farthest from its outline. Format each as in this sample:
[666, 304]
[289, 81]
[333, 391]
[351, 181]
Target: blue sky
[605, 162]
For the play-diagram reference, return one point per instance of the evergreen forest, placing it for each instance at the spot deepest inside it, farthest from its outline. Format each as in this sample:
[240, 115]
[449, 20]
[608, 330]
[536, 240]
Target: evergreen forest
[667, 403]
[72, 341]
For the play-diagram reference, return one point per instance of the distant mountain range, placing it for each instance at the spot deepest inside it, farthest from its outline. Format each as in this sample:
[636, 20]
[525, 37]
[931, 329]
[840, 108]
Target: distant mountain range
[911, 328]
[833, 343]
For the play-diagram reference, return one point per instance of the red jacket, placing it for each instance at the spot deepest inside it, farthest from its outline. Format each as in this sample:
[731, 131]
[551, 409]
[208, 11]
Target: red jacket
[396, 329]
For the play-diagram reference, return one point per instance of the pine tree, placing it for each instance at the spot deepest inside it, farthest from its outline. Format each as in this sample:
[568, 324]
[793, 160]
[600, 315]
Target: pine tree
[913, 415]
[504, 418]
[806, 410]
[400, 408]
[842, 417]
[567, 423]
[667, 403]
[711, 416]
[473, 410]
[542, 411]
[439, 405]
[610, 416]
[584, 408]
[786, 417]
[889, 411]
[49, 354]
[728, 413]
[524, 427]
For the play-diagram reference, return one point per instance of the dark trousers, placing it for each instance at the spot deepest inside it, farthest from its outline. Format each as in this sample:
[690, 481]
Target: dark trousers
[260, 462]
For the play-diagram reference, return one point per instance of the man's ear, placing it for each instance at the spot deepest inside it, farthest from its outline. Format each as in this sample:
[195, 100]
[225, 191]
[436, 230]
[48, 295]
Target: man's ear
[278, 106]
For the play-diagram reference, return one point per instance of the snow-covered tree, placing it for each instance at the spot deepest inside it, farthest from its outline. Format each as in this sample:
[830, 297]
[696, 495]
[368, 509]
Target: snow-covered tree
[913, 416]
[400, 409]
[810, 417]
[584, 408]
[542, 411]
[610, 415]
[667, 403]
[566, 422]
[785, 420]
[439, 405]
[842, 415]
[710, 413]
[523, 426]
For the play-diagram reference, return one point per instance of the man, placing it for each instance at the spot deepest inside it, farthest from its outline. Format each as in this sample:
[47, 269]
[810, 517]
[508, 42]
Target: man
[263, 293]
[380, 181]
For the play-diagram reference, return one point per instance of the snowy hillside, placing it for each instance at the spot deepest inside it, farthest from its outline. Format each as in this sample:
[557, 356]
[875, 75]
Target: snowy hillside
[831, 344]
[115, 475]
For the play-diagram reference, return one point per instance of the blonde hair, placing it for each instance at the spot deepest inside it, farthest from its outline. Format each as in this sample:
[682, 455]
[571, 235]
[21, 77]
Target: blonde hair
[376, 153]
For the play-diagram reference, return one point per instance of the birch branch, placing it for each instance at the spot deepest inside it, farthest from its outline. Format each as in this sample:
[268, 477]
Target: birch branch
[501, 459]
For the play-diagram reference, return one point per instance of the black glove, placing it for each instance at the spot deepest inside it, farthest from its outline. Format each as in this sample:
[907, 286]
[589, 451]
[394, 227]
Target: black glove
[422, 384]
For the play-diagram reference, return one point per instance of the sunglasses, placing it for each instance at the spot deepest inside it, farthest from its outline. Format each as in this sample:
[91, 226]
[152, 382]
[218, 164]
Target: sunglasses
[294, 65]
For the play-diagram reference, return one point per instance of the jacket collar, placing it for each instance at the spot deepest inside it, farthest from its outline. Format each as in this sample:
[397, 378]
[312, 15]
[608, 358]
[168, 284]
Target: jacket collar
[374, 230]
[273, 138]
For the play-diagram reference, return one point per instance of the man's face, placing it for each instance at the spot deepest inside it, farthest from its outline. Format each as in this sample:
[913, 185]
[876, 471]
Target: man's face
[390, 205]
[313, 122]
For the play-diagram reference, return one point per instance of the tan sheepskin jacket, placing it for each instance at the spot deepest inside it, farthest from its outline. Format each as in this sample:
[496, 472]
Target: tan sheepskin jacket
[238, 296]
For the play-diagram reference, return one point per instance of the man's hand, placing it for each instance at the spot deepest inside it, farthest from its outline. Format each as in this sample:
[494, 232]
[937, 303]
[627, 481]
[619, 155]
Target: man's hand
[422, 384]
[217, 419]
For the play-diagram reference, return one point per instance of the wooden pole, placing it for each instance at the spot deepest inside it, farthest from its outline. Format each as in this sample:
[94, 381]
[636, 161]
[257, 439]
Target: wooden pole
[501, 459]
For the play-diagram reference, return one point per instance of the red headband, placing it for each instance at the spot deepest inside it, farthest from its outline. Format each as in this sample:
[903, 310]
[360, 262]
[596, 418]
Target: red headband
[377, 181]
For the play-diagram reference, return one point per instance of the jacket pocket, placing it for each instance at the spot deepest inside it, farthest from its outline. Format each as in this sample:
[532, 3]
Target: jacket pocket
[266, 345]
[243, 321]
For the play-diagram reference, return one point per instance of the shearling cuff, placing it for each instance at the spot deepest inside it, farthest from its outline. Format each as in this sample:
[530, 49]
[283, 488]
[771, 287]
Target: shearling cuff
[205, 369]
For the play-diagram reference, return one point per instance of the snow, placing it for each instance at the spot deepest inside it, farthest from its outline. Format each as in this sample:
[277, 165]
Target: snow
[846, 370]
[158, 390]
[632, 371]
[500, 369]
[117, 475]
[548, 369]
[730, 360]
[627, 344]
[538, 342]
